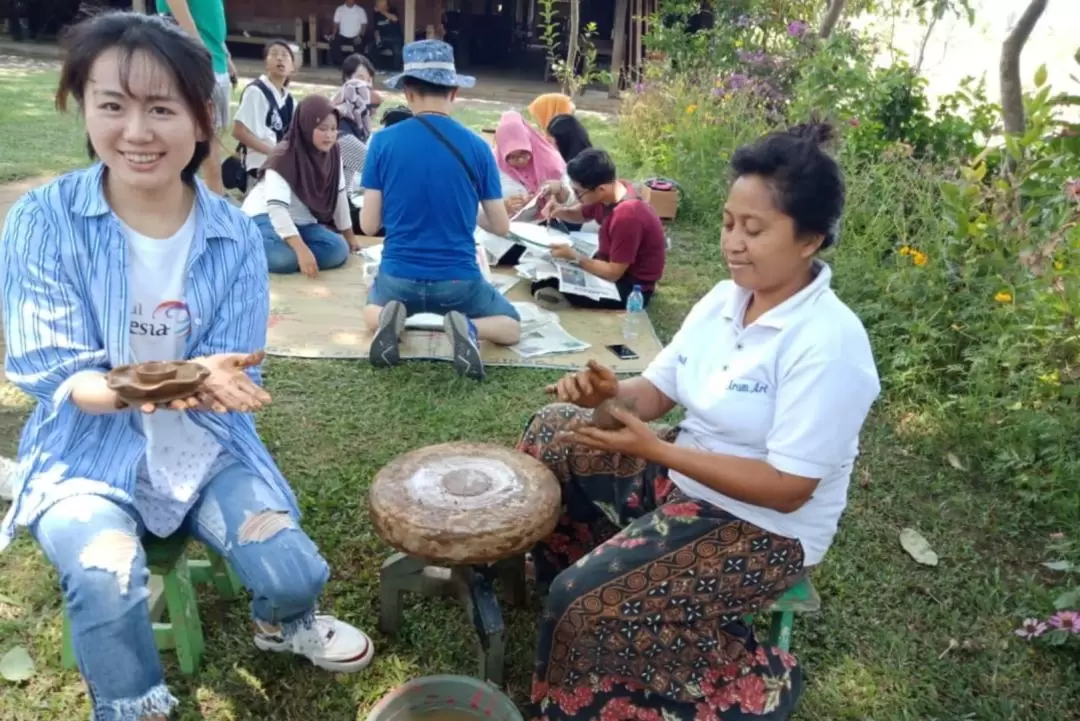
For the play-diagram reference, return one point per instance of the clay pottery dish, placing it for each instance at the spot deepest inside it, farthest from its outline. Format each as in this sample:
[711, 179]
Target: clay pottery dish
[458, 504]
[156, 382]
[603, 417]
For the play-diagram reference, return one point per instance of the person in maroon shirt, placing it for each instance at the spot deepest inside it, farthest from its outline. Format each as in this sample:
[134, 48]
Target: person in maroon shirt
[632, 242]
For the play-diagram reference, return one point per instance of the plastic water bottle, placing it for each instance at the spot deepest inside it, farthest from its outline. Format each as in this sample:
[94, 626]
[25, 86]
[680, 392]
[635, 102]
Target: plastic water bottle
[635, 314]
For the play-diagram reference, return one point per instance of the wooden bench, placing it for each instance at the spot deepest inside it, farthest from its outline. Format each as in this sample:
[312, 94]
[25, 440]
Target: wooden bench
[267, 34]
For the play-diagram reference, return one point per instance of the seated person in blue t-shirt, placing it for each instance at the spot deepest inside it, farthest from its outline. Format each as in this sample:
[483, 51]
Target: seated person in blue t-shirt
[423, 180]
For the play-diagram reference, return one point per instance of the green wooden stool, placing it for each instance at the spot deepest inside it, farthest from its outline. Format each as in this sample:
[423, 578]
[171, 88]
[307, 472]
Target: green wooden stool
[800, 598]
[172, 590]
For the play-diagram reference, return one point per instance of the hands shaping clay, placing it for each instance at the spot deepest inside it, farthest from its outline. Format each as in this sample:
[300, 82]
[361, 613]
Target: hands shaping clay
[156, 382]
[603, 417]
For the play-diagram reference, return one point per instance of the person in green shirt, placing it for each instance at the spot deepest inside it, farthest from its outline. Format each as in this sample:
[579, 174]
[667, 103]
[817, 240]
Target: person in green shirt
[205, 19]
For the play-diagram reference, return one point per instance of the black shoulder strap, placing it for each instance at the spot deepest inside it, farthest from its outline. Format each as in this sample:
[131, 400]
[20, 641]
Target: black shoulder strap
[270, 98]
[457, 153]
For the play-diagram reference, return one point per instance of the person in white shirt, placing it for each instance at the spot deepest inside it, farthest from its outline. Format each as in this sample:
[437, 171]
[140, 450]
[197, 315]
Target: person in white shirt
[670, 539]
[301, 190]
[350, 22]
[266, 108]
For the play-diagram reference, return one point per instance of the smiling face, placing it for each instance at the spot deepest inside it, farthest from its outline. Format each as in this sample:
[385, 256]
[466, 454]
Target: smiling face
[279, 62]
[759, 242]
[141, 129]
[326, 133]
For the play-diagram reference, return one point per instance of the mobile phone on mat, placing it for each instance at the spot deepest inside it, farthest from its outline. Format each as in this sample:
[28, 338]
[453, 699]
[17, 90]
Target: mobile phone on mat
[623, 352]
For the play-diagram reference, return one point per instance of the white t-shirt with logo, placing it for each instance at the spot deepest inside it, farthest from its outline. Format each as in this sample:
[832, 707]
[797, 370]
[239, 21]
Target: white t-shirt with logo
[179, 454]
[350, 20]
[792, 389]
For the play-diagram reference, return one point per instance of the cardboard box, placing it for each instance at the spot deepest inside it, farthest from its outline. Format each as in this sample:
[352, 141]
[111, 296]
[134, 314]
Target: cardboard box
[664, 202]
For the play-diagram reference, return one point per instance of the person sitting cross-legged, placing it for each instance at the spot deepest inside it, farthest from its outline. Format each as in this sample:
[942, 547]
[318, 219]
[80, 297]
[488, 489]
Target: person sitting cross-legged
[632, 247]
[302, 189]
[423, 180]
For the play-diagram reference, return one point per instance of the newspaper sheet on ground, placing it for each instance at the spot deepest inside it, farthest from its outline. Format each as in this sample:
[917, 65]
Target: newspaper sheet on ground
[548, 339]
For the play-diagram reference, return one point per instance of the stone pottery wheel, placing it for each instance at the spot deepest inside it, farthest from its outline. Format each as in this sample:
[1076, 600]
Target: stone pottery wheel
[464, 503]
[156, 382]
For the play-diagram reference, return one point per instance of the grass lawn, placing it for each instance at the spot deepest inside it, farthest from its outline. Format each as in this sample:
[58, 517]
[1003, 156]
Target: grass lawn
[894, 641]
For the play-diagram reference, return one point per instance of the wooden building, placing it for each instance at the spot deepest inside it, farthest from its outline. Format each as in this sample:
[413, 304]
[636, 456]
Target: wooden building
[500, 34]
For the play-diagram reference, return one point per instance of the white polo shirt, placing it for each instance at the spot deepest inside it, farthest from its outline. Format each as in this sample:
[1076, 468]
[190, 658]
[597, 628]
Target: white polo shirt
[350, 20]
[792, 389]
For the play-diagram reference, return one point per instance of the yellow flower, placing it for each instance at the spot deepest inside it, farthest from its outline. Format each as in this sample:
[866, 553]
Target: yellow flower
[919, 258]
[905, 250]
[1058, 265]
[1053, 378]
[690, 109]
[1003, 296]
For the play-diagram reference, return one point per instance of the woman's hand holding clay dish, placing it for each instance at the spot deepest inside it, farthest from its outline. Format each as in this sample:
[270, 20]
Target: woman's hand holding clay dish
[215, 383]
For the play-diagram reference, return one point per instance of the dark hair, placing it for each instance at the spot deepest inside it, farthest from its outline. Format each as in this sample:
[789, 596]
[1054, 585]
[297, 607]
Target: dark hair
[352, 63]
[591, 168]
[806, 181]
[425, 89]
[395, 115]
[570, 136]
[278, 42]
[187, 60]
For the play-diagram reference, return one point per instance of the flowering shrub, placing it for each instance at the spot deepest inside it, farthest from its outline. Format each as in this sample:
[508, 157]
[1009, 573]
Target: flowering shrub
[960, 248]
[1062, 626]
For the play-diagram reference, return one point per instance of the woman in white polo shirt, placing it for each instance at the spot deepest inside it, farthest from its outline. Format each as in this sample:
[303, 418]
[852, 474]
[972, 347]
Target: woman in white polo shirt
[670, 538]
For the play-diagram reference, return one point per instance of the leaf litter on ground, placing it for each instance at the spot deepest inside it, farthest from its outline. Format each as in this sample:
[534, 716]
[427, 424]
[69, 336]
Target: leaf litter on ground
[16, 665]
[918, 547]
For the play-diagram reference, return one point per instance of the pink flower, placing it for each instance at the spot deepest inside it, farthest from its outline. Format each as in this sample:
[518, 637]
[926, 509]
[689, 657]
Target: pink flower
[1072, 190]
[796, 29]
[1066, 621]
[1031, 628]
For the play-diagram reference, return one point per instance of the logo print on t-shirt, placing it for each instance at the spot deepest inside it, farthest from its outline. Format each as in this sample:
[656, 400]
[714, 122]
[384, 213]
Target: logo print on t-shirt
[174, 313]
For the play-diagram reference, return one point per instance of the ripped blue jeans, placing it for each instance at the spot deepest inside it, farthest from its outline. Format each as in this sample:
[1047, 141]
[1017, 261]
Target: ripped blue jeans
[94, 544]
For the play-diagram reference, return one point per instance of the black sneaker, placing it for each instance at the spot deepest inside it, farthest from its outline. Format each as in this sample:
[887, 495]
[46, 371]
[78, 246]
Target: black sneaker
[551, 299]
[384, 346]
[466, 346]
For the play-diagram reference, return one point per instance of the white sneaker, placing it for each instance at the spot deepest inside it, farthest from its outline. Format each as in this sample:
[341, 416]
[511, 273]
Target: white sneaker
[7, 486]
[329, 644]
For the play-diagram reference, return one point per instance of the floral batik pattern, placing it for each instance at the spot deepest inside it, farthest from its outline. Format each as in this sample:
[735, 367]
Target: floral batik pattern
[647, 594]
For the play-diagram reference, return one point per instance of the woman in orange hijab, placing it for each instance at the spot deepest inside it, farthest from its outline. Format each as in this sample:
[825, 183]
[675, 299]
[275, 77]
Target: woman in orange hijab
[547, 106]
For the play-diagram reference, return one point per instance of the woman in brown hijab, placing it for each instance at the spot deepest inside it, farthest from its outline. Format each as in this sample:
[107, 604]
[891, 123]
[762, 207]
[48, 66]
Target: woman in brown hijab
[301, 196]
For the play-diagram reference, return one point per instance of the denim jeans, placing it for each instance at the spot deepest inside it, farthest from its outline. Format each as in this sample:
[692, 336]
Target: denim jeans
[329, 248]
[94, 544]
[475, 298]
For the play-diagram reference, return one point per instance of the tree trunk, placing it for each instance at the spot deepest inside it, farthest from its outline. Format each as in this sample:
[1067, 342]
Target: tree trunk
[618, 48]
[1012, 93]
[832, 16]
[925, 42]
[572, 45]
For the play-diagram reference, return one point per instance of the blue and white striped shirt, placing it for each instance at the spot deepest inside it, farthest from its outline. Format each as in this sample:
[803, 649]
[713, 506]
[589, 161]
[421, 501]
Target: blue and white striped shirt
[67, 310]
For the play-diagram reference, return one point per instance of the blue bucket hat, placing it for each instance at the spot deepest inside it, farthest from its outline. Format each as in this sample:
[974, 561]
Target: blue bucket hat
[431, 61]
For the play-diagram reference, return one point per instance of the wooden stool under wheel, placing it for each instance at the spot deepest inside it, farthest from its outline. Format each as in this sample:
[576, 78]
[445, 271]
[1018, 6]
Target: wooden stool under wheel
[462, 515]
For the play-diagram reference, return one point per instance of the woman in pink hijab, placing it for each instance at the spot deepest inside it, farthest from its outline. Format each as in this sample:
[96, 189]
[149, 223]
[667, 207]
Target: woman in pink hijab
[527, 162]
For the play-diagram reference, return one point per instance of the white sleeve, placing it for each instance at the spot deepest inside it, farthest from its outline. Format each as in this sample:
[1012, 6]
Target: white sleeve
[663, 371]
[821, 404]
[279, 198]
[252, 111]
[571, 199]
[342, 217]
[338, 13]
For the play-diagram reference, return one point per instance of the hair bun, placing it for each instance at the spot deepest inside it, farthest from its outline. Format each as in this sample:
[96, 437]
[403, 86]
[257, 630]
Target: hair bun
[817, 132]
